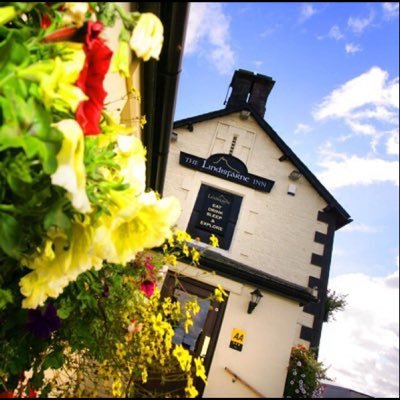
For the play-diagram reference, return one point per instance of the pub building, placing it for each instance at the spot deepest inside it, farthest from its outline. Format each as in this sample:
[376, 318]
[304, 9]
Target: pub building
[237, 179]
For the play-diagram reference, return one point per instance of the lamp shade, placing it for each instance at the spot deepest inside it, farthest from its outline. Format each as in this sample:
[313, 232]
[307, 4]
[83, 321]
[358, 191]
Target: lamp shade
[255, 299]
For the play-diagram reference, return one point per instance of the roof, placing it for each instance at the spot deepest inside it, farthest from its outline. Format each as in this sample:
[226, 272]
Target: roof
[240, 272]
[342, 217]
[339, 392]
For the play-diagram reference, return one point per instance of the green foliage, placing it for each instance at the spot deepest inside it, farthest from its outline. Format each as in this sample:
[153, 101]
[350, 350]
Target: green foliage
[334, 303]
[49, 240]
[304, 374]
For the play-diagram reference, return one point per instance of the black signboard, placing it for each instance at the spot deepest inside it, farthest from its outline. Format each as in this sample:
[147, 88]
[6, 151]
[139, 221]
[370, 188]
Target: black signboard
[227, 167]
[215, 212]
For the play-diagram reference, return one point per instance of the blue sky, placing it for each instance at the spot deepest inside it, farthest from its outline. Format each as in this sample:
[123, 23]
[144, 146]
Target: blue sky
[336, 104]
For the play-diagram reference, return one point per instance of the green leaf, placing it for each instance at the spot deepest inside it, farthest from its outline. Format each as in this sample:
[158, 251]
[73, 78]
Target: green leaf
[5, 298]
[56, 217]
[10, 137]
[10, 235]
[65, 310]
[54, 360]
[12, 51]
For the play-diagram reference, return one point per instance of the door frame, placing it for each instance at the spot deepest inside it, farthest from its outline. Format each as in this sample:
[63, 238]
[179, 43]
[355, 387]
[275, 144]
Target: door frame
[213, 321]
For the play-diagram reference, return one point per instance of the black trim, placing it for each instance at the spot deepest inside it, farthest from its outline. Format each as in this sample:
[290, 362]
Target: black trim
[317, 260]
[340, 213]
[237, 271]
[313, 335]
[160, 87]
[313, 282]
[320, 238]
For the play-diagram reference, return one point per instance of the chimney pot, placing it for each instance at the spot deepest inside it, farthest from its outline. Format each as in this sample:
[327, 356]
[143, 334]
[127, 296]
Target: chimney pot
[250, 88]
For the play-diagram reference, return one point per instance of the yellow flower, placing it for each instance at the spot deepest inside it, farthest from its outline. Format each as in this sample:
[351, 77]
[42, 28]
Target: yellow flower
[75, 13]
[167, 306]
[193, 306]
[117, 388]
[131, 157]
[188, 322]
[214, 241]
[138, 222]
[219, 294]
[182, 236]
[120, 61]
[57, 80]
[147, 37]
[171, 241]
[159, 325]
[200, 370]
[50, 275]
[70, 173]
[7, 13]
[190, 390]
[121, 352]
[185, 250]
[142, 121]
[183, 357]
[111, 128]
[144, 375]
[57, 77]
[195, 255]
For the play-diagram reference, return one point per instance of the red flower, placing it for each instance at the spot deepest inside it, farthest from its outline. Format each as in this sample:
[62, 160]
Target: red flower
[98, 58]
[7, 395]
[46, 21]
[147, 287]
[61, 35]
[149, 266]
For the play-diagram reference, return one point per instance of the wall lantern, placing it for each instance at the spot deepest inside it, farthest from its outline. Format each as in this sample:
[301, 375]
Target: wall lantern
[255, 299]
[295, 175]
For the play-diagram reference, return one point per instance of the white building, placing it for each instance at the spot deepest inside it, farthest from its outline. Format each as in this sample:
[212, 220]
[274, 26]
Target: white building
[236, 178]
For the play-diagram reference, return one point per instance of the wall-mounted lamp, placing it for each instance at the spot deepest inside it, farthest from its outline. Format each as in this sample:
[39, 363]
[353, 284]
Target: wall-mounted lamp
[255, 299]
[295, 175]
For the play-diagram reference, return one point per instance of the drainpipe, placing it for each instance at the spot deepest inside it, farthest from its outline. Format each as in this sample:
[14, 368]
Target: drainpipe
[160, 86]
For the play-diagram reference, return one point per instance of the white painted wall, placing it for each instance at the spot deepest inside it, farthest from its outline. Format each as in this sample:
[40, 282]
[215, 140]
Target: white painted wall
[270, 330]
[274, 233]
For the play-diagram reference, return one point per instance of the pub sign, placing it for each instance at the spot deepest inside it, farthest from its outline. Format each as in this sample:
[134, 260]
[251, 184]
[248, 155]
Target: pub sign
[215, 212]
[226, 167]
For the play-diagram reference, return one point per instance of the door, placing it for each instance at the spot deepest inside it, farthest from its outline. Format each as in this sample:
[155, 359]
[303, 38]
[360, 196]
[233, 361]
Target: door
[202, 337]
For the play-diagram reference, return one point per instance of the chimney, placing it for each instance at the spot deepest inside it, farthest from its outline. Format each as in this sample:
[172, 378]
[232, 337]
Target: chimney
[250, 88]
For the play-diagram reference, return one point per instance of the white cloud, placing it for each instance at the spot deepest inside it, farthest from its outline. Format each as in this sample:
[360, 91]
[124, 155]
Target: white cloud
[369, 88]
[352, 48]
[303, 128]
[335, 33]
[258, 63]
[357, 25]
[362, 100]
[306, 12]
[392, 145]
[208, 36]
[362, 228]
[361, 346]
[390, 10]
[354, 170]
